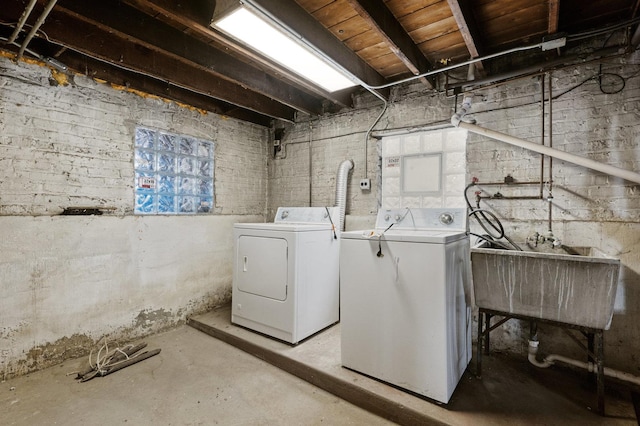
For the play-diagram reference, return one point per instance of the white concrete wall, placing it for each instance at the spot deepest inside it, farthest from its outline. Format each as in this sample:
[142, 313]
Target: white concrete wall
[588, 209]
[68, 281]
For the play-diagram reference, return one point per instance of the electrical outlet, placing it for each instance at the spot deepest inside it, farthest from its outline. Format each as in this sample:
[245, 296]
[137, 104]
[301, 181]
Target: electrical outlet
[365, 184]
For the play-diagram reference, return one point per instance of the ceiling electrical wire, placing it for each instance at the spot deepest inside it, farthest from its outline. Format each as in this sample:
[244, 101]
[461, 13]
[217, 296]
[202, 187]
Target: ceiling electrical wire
[601, 31]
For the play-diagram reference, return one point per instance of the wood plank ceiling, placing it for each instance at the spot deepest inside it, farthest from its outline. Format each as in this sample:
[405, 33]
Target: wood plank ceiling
[168, 48]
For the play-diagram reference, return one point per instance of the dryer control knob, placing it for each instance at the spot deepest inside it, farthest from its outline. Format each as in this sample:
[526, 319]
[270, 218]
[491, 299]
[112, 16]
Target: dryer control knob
[446, 218]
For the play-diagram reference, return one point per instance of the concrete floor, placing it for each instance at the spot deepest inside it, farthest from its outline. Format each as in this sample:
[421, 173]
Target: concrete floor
[511, 391]
[195, 380]
[199, 379]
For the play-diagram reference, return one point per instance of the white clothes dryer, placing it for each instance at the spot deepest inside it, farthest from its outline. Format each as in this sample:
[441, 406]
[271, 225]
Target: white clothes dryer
[405, 313]
[286, 273]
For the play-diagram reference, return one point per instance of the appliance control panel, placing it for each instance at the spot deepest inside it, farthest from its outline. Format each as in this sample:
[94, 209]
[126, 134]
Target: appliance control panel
[410, 218]
[306, 214]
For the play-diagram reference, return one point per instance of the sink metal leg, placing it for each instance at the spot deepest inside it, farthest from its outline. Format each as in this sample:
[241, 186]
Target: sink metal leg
[487, 328]
[479, 345]
[599, 335]
[594, 348]
[591, 355]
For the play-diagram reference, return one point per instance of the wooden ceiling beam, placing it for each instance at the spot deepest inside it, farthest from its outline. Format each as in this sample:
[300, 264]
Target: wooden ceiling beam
[382, 21]
[635, 38]
[554, 16]
[78, 63]
[463, 14]
[131, 80]
[88, 39]
[130, 24]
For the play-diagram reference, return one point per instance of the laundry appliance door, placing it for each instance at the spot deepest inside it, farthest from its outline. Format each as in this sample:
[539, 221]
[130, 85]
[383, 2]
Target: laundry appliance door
[262, 266]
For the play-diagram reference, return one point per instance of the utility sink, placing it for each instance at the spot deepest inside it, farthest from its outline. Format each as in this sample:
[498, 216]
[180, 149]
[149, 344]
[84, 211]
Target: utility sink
[572, 285]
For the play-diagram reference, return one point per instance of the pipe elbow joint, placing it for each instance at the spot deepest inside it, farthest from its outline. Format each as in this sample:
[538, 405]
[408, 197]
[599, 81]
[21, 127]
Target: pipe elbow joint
[533, 351]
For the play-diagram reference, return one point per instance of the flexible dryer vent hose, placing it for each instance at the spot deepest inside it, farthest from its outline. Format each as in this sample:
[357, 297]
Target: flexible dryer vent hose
[341, 189]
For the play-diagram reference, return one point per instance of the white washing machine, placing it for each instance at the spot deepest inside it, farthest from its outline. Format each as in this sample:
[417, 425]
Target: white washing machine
[405, 313]
[286, 273]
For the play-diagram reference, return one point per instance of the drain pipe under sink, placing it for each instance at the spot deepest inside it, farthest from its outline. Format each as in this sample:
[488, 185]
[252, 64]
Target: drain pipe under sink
[589, 366]
[341, 189]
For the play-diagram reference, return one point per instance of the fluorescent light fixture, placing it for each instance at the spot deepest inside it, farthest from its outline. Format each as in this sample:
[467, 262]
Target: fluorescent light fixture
[281, 46]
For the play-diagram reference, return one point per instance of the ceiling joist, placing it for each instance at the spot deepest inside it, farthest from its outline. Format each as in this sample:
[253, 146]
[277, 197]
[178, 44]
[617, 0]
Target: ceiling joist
[463, 15]
[137, 27]
[554, 16]
[381, 20]
[170, 48]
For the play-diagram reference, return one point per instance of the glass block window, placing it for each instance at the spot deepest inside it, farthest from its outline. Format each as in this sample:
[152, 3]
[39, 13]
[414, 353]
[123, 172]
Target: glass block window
[173, 173]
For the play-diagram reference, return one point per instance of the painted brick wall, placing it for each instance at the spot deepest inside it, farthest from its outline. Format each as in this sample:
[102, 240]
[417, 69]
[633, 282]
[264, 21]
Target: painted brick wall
[588, 208]
[338, 137]
[87, 160]
[72, 146]
[68, 281]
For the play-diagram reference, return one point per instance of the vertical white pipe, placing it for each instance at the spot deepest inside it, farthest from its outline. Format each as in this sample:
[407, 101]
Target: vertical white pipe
[550, 195]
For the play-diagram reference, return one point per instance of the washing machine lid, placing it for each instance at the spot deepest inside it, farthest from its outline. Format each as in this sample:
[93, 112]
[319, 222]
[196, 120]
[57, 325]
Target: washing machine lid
[423, 225]
[283, 227]
[433, 237]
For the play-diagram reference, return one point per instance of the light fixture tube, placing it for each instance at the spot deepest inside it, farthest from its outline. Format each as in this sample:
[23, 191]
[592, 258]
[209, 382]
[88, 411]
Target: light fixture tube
[270, 39]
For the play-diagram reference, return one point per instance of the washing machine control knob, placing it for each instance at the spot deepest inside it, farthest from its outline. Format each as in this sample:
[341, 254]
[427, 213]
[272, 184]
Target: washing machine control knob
[285, 214]
[446, 218]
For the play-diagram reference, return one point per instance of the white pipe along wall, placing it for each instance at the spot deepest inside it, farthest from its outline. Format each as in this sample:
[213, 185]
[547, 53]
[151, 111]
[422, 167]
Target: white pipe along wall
[457, 121]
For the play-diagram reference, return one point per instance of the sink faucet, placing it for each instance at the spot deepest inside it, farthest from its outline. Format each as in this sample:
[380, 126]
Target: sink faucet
[536, 238]
[555, 242]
